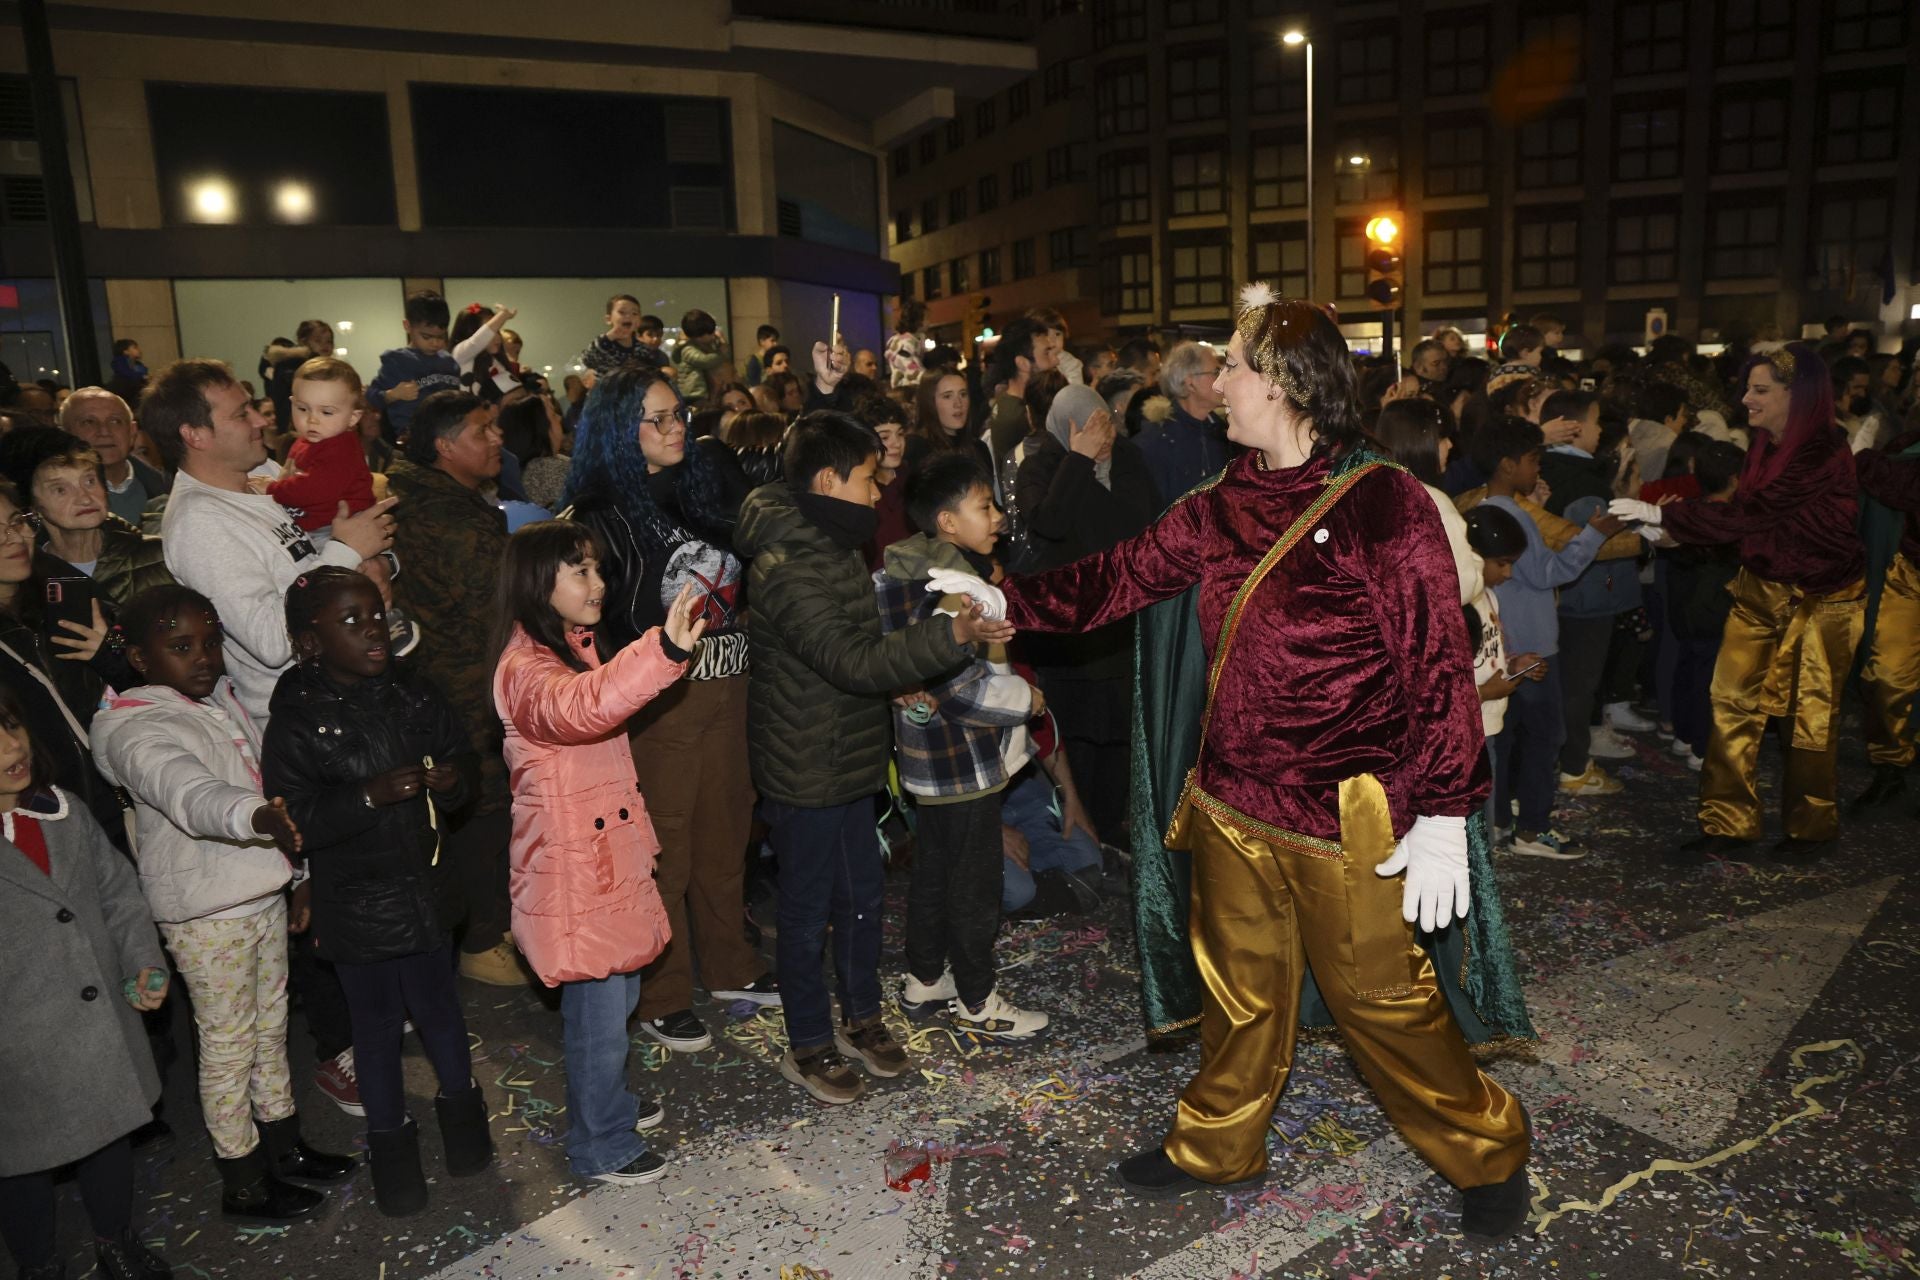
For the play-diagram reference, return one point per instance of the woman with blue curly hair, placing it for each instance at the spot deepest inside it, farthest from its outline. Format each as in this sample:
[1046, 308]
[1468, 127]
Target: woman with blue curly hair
[664, 506]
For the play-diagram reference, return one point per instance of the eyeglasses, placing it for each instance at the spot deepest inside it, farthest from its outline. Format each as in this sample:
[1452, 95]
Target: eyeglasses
[19, 525]
[661, 422]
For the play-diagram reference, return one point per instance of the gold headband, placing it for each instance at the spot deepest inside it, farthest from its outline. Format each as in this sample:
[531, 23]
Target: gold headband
[1782, 362]
[1266, 332]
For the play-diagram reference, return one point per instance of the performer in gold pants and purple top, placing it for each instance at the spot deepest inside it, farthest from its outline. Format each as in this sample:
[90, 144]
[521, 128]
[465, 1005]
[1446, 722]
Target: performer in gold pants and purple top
[1342, 749]
[1799, 606]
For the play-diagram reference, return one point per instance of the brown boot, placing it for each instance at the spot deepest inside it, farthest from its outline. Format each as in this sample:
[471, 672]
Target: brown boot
[870, 1042]
[825, 1074]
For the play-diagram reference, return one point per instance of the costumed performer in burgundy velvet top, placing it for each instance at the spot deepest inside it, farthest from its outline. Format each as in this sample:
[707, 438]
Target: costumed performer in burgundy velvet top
[1798, 609]
[1343, 747]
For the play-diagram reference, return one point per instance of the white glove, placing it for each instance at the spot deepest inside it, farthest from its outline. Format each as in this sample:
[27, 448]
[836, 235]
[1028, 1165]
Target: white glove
[1634, 509]
[1434, 856]
[948, 582]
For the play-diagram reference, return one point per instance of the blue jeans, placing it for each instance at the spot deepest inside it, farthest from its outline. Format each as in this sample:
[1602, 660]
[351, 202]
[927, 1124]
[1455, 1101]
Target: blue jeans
[830, 877]
[601, 1109]
[1028, 809]
[1535, 732]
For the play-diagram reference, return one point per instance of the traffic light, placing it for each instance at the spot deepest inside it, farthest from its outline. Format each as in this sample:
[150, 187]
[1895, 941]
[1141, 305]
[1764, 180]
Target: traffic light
[1386, 268]
[972, 320]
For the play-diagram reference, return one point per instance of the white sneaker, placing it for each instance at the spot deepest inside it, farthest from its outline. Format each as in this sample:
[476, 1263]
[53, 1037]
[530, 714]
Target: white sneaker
[1502, 836]
[1594, 782]
[1696, 763]
[1681, 749]
[920, 999]
[1622, 716]
[1547, 844]
[995, 1019]
[1604, 744]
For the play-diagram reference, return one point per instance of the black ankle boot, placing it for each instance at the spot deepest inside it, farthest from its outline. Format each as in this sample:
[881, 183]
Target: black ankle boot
[464, 1132]
[399, 1188]
[125, 1258]
[254, 1194]
[1698, 851]
[1495, 1211]
[1889, 783]
[293, 1158]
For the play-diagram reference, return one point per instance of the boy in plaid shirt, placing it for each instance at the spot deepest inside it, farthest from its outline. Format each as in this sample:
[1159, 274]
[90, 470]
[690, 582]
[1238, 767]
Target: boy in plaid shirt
[957, 746]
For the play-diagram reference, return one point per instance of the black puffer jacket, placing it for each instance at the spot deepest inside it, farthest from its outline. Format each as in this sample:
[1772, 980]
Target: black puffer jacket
[372, 892]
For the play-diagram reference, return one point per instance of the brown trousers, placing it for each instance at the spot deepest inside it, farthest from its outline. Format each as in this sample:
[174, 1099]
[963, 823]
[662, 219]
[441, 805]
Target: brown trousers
[690, 753]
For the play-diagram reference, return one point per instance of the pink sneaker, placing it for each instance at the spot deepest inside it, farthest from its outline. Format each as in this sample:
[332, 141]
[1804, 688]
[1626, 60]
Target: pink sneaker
[336, 1079]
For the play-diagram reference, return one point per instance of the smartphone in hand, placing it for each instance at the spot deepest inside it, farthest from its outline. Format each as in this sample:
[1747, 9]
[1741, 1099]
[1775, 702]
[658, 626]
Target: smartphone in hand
[69, 600]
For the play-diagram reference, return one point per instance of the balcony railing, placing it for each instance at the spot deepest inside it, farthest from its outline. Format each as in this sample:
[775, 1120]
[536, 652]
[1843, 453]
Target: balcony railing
[980, 19]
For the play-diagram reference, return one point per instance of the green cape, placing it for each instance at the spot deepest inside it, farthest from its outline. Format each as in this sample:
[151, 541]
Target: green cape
[1473, 958]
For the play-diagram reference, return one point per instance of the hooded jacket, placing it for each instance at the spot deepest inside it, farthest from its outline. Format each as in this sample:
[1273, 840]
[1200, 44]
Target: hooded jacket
[193, 769]
[819, 731]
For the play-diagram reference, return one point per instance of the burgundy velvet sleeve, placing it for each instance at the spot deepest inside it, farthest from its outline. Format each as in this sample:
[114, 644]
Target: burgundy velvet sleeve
[1415, 592]
[1894, 481]
[1159, 563]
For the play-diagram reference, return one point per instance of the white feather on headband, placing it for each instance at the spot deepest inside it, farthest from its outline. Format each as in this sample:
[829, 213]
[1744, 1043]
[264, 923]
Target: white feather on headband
[1257, 294]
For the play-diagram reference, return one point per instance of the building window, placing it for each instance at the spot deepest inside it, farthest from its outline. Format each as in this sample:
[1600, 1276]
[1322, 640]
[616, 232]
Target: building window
[983, 118]
[1646, 142]
[1860, 121]
[1280, 257]
[1456, 51]
[1023, 267]
[1850, 236]
[987, 192]
[1199, 276]
[1122, 188]
[1552, 45]
[956, 135]
[1756, 31]
[1743, 240]
[1063, 165]
[929, 215]
[1375, 176]
[1279, 79]
[1350, 259]
[906, 284]
[930, 283]
[956, 205]
[1020, 101]
[1056, 82]
[902, 161]
[1069, 247]
[1645, 246]
[1195, 77]
[1650, 36]
[1750, 131]
[1192, 13]
[929, 147]
[1126, 278]
[1549, 150]
[1197, 178]
[1120, 101]
[1456, 253]
[1864, 26]
[989, 268]
[1019, 180]
[902, 225]
[1456, 158]
[1364, 58]
[1546, 248]
[1278, 172]
[1118, 21]
[957, 276]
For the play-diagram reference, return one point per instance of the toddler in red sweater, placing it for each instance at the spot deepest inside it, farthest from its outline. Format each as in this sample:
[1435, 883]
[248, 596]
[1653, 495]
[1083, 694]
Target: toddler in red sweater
[327, 464]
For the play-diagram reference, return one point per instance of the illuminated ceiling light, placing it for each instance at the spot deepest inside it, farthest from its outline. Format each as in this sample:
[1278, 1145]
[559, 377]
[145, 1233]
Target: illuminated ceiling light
[213, 200]
[1357, 161]
[345, 326]
[341, 352]
[1295, 37]
[293, 201]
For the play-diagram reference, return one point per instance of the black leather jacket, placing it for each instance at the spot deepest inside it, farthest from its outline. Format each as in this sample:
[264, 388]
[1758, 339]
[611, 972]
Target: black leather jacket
[373, 897]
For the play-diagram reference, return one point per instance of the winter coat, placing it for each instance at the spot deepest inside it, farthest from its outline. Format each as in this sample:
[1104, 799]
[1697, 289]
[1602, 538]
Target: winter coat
[373, 897]
[57, 719]
[129, 563]
[584, 902]
[819, 731]
[451, 544]
[74, 1059]
[193, 769]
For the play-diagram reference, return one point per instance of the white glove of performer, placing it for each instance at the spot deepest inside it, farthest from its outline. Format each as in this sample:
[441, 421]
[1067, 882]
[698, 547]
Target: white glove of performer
[992, 600]
[1434, 856]
[1634, 509]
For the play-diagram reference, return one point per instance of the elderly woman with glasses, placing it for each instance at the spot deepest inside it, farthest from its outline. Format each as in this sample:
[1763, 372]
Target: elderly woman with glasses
[664, 506]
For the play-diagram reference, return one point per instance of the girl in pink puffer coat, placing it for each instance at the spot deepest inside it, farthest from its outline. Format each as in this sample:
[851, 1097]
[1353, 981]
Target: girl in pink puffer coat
[586, 913]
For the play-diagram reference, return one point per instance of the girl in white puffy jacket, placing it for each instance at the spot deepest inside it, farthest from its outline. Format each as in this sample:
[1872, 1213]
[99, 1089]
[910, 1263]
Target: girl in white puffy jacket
[213, 855]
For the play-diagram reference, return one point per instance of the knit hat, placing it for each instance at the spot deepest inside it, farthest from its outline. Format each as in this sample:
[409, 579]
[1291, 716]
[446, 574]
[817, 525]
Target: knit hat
[22, 451]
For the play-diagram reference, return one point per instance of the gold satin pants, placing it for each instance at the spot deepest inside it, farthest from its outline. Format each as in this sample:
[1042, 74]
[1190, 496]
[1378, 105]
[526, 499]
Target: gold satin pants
[1891, 674]
[1264, 905]
[1782, 654]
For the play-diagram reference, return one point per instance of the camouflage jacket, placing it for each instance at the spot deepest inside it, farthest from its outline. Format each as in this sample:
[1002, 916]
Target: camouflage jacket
[450, 540]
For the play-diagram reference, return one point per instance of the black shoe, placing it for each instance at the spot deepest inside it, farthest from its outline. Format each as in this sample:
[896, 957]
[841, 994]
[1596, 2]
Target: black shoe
[1798, 852]
[463, 1131]
[293, 1159]
[155, 1133]
[1497, 1210]
[1153, 1173]
[399, 1188]
[681, 1032]
[127, 1259]
[651, 1115]
[1698, 851]
[763, 991]
[253, 1194]
[648, 1166]
[1054, 895]
[1889, 784]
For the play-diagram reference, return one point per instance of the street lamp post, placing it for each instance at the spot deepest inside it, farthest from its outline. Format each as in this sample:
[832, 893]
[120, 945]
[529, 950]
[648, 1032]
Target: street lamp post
[1292, 39]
